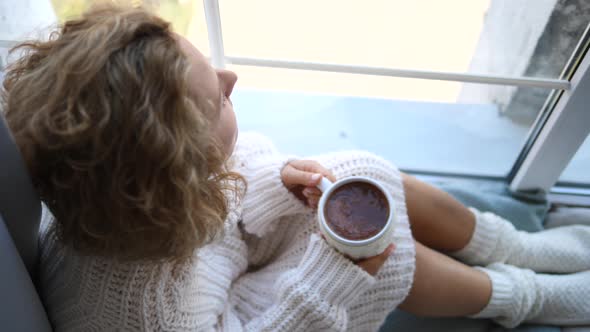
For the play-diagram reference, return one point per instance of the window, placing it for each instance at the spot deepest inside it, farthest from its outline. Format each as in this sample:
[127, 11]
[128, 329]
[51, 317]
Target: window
[424, 125]
[510, 38]
[578, 170]
[395, 34]
[487, 69]
[424, 136]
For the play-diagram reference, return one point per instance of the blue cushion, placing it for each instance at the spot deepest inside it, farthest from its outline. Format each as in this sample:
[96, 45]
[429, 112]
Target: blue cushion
[526, 211]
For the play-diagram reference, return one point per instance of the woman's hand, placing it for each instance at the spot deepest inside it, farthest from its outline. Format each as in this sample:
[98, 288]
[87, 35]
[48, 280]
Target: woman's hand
[301, 178]
[372, 265]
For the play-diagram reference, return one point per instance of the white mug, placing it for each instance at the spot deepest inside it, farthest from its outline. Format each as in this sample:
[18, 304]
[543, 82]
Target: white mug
[356, 249]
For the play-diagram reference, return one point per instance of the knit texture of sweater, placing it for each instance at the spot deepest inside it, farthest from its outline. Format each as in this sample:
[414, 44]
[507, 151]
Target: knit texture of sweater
[270, 271]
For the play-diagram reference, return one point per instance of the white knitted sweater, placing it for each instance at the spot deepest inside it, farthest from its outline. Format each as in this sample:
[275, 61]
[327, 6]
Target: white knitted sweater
[269, 272]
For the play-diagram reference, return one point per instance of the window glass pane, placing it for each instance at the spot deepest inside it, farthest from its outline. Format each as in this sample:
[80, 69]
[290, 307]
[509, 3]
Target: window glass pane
[421, 128]
[499, 37]
[187, 16]
[578, 171]
[502, 37]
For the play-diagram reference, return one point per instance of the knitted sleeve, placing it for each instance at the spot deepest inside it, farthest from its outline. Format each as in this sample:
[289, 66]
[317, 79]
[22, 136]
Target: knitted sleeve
[316, 295]
[267, 199]
[394, 280]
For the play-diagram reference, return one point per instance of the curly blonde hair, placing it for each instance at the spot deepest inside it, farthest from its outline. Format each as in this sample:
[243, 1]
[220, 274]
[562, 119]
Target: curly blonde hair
[118, 148]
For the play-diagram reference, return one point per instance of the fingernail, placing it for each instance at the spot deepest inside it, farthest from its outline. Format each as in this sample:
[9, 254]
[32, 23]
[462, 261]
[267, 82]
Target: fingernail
[315, 177]
[307, 191]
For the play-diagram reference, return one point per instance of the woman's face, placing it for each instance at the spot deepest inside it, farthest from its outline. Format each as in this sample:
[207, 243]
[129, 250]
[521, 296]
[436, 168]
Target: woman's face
[216, 85]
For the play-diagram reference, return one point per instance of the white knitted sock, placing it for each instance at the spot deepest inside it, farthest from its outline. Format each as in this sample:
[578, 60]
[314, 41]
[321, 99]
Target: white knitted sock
[557, 250]
[520, 295]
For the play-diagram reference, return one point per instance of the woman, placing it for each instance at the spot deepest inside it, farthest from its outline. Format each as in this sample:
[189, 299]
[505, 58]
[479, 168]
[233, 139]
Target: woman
[130, 138]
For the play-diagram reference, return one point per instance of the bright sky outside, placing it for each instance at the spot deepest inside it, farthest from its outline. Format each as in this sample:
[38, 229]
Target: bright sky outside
[423, 35]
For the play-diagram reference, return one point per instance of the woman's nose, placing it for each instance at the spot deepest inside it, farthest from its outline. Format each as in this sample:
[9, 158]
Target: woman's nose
[228, 79]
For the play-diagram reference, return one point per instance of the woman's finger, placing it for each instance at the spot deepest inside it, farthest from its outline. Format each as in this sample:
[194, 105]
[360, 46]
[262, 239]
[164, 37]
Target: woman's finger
[373, 264]
[292, 176]
[313, 202]
[313, 167]
[311, 192]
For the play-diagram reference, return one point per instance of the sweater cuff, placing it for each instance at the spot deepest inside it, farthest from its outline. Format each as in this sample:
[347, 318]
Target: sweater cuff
[267, 198]
[333, 277]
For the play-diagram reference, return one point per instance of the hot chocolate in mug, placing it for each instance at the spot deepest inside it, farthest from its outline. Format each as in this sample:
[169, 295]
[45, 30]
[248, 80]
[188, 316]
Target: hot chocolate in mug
[356, 216]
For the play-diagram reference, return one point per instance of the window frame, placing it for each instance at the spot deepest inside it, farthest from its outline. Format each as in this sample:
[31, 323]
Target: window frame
[558, 132]
[543, 145]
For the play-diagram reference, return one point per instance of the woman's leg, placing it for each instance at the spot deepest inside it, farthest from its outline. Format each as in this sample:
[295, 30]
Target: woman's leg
[481, 238]
[444, 287]
[438, 220]
[442, 223]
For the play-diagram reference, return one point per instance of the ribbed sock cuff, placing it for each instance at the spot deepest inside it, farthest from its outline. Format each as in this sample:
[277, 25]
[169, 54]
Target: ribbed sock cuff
[502, 293]
[514, 295]
[483, 241]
